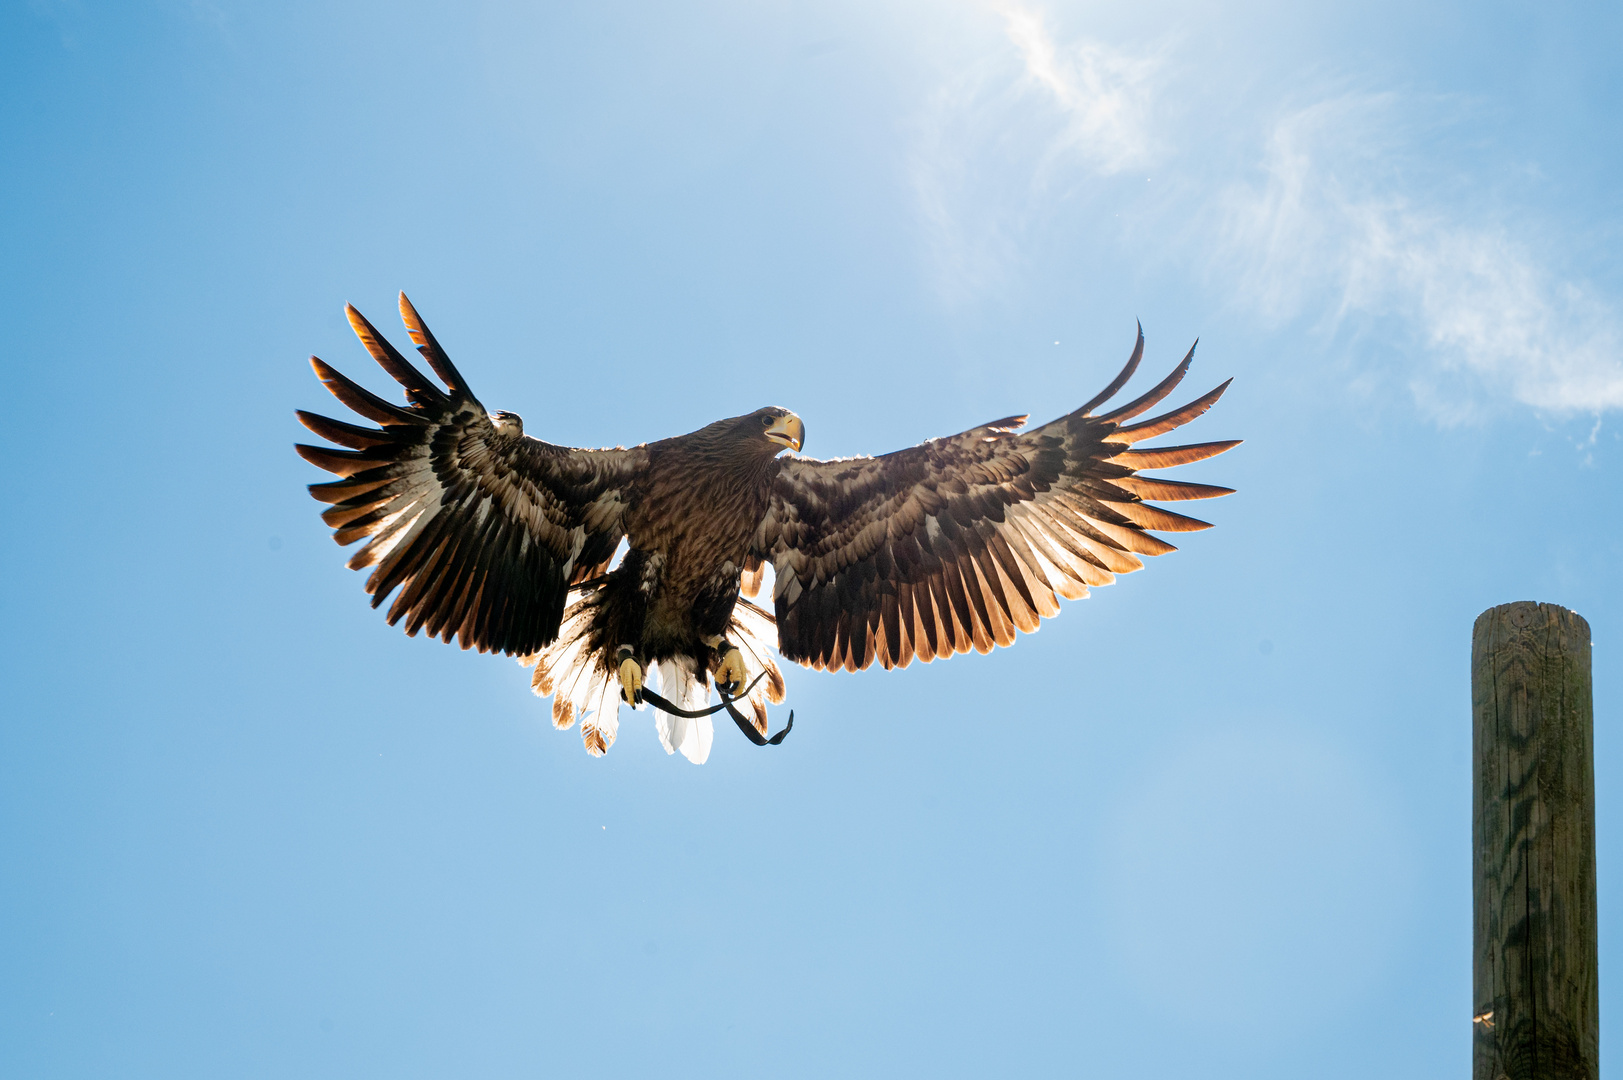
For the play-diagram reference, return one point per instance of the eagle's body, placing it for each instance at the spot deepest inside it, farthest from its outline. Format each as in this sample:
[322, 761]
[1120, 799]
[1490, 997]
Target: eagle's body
[690, 577]
[953, 544]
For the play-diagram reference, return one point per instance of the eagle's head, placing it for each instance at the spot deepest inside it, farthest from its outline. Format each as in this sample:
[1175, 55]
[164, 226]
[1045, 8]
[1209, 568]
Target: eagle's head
[777, 429]
[507, 423]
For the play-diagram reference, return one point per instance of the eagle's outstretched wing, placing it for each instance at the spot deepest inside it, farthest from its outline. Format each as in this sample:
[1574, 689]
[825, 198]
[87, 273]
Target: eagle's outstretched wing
[958, 542]
[481, 528]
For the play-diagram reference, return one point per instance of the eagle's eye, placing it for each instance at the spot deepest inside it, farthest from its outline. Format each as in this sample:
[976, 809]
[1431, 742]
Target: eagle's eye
[766, 421]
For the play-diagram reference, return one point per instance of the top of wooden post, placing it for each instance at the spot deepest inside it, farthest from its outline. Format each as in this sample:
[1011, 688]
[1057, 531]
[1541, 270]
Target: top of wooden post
[1506, 622]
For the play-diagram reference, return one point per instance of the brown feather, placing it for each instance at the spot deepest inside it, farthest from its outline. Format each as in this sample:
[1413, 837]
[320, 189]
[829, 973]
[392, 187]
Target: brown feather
[351, 435]
[430, 348]
[1147, 487]
[418, 388]
[342, 462]
[1165, 457]
[339, 491]
[1120, 380]
[1153, 517]
[1155, 394]
[1167, 421]
[361, 399]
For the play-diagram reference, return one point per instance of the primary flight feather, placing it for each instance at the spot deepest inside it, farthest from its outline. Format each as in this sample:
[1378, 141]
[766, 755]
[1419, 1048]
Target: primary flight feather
[483, 534]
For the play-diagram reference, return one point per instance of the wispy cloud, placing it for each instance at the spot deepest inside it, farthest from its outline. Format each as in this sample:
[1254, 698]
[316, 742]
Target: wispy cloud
[1017, 131]
[1102, 95]
[1329, 234]
[1342, 214]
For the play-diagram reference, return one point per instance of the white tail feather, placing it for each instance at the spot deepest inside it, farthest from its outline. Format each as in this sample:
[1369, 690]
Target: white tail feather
[585, 689]
[686, 688]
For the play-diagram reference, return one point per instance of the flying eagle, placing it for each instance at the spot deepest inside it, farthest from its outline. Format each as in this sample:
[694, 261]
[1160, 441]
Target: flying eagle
[505, 542]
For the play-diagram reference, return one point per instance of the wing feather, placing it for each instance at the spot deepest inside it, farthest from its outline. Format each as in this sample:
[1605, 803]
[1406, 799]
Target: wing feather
[430, 348]
[1121, 378]
[962, 543]
[361, 399]
[419, 390]
[1155, 394]
[475, 532]
[1146, 487]
[1167, 421]
[351, 435]
[1165, 457]
[1146, 516]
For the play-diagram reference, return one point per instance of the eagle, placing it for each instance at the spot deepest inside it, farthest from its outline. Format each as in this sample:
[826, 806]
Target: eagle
[505, 543]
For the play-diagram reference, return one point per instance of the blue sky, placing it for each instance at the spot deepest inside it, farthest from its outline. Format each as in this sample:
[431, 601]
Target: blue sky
[1211, 822]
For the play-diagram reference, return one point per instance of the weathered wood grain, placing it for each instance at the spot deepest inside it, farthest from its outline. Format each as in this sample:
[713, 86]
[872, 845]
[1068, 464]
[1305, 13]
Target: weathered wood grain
[1535, 973]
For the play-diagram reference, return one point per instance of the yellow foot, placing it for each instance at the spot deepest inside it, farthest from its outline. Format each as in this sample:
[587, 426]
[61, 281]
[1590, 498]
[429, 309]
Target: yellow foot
[730, 672]
[630, 681]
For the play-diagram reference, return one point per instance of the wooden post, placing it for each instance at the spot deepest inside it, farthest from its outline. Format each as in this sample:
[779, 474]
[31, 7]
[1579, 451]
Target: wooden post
[1535, 980]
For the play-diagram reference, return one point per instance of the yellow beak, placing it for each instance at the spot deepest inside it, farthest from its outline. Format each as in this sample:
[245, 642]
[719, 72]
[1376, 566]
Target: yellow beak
[787, 431]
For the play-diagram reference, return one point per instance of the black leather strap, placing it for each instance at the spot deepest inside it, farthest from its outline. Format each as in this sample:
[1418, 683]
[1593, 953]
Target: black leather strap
[726, 703]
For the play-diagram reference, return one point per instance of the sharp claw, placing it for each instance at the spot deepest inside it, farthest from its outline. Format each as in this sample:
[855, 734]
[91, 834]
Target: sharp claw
[730, 672]
[630, 682]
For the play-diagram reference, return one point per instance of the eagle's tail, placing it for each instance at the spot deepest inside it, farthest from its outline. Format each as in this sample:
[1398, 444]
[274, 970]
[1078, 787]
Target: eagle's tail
[681, 682]
[583, 686]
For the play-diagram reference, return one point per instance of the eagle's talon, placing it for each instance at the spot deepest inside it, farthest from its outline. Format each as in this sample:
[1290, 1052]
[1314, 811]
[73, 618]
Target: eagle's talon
[730, 671]
[631, 682]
